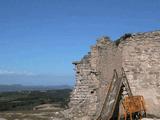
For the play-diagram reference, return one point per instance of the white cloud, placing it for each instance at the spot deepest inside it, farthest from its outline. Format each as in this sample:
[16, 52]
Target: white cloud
[9, 72]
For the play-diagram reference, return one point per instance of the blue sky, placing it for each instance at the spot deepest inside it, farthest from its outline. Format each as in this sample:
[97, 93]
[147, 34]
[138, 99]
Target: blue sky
[43, 37]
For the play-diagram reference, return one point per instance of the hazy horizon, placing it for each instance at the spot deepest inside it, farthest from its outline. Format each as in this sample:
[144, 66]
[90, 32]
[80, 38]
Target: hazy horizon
[31, 80]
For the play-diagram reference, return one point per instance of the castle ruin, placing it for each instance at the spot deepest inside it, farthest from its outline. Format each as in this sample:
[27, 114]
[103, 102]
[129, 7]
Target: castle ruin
[138, 54]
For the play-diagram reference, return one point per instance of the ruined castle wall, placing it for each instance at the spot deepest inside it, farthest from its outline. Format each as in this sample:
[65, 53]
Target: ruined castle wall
[84, 96]
[138, 54]
[81, 93]
[109, 59]
[141, 61]
[93, 76]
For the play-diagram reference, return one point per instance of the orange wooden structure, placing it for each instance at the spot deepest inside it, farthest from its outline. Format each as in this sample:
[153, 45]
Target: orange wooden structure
[133, 106]
[120, 98]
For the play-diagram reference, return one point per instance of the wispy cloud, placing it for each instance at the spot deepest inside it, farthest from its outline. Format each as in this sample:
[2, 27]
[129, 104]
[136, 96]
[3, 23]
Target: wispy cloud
[10, 72]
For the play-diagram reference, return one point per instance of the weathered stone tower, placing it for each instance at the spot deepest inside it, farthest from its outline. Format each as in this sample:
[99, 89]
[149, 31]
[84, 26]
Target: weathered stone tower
[138, 54]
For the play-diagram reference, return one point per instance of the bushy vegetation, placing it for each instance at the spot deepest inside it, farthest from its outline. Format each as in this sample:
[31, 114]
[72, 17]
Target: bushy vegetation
[125, 36]
[26, 100]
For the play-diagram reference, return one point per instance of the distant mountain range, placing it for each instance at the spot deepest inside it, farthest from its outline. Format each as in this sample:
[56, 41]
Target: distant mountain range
[9, 88]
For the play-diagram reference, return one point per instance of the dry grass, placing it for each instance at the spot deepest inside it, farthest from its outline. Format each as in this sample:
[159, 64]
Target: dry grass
[32, 115]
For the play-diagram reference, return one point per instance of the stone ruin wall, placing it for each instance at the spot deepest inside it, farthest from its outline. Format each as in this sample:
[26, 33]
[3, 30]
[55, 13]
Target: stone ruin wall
[141, 61]
[138, 54]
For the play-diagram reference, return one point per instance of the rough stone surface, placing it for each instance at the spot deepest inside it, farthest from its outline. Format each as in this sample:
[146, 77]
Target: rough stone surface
[138, 54]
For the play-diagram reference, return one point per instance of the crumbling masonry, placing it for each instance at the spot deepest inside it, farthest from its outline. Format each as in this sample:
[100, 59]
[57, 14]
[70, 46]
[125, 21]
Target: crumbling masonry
[138, 54]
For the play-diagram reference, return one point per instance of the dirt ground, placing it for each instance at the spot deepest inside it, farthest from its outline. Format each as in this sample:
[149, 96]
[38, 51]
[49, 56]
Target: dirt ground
[32, 115]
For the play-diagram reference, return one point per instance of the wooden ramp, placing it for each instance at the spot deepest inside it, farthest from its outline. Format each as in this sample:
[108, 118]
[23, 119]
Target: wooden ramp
[118, 86]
